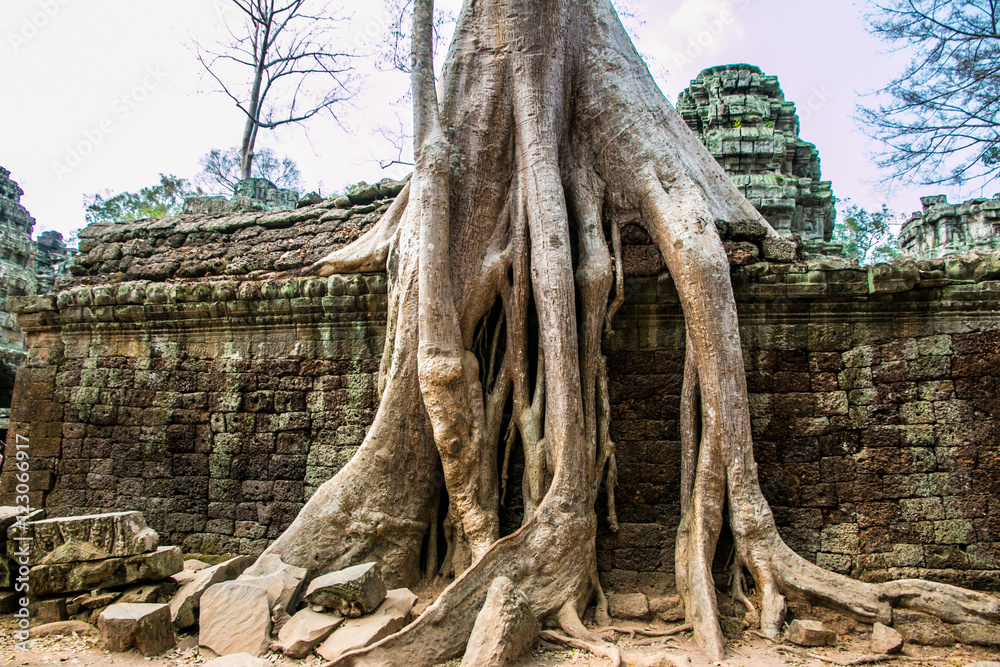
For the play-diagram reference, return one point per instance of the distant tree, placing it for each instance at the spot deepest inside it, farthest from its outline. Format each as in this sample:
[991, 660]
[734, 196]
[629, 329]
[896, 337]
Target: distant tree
[868, 236]
[940, 118]
[157, 201]
[280, 66]
[221, 170]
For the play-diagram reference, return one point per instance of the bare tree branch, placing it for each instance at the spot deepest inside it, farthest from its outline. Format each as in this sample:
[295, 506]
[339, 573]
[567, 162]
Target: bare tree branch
[280, 66]
[939, 120]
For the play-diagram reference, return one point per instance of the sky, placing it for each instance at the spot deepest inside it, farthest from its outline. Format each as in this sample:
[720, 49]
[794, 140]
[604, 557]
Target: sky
[106, 95]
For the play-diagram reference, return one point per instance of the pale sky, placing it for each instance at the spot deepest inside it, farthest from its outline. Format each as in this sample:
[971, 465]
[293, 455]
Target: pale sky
[106, 94]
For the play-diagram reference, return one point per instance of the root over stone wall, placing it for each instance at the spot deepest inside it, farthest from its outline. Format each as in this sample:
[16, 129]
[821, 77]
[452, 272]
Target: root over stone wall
[217, 407]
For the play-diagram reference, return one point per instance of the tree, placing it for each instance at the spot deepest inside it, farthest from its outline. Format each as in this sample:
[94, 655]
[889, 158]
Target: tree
[157, 201]
[280, 66]
[548, 136]
[221, 170]
[940, 119]
[868, 236]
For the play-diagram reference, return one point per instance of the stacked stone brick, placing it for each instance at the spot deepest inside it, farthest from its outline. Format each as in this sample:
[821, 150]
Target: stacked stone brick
[742, 117]
[246, 244]
[947, 229]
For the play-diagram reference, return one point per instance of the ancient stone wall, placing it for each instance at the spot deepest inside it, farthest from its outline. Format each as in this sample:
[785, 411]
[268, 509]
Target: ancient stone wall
[941, 228]
[216, 407]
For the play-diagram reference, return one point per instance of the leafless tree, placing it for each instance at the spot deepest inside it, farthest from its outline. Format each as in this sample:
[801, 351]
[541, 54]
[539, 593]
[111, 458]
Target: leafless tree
[548, 136]
[280, 65]
[940, 119]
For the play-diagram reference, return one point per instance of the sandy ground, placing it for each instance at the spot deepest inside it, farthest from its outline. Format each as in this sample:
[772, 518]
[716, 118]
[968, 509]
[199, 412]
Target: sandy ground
[749, 651]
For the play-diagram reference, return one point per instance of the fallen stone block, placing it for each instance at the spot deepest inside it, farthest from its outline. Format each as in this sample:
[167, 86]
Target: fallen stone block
[282, 582]
[353, 592]
[628, 605]
[238, 660]
[886, 640]
[108, 573]
[47, 610]
[161, 591]
[505, 628]
[977, 634]
[63, 629]
[305, 631]
[146, 627]
[235, 617]
[194, 565]
[391, 616]
[184, 604]
[810, 633]
[923, 629]
[86, 538]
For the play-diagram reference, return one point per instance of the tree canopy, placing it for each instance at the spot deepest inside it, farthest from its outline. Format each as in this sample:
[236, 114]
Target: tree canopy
[156, 201]
[939, 120]
[868, 236]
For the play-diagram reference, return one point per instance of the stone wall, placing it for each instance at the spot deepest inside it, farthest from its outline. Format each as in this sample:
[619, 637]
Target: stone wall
[216, 407]
[941, 228]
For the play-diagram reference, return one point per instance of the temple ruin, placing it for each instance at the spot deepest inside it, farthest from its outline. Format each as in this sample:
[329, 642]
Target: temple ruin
[743, 118]
[941, 228]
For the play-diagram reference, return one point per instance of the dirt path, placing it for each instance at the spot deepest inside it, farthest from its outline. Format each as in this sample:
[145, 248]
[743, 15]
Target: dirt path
[748, 652]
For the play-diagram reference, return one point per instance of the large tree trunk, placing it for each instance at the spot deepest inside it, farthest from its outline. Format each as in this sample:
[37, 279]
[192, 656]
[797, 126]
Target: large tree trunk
[550, 134]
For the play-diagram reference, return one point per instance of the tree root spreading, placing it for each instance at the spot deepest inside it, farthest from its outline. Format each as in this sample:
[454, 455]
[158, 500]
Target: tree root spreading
[504, 260]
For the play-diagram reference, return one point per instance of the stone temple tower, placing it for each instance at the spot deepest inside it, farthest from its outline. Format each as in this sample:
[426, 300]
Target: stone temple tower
[17, 278]
[742, 117]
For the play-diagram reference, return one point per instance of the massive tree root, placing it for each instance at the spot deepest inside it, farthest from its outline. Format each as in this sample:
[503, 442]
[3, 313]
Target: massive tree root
[549, 136]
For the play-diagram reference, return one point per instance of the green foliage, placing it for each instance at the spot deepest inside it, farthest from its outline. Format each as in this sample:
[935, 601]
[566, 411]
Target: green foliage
[221, 170]
[157, 201]
[868, 236]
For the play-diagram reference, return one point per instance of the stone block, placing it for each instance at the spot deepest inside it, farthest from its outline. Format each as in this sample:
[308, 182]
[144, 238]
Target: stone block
[885, 640]
[353, 592]
[391, 616]
[112, 572]
[235, 617]
[305, 631]
[47, 610]
[628, 605]
[505, 628]
[88, 538]
[919, 628]
[282, 582]
[810, 633]
[977, 634]
[184, 604]
[146, 627]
